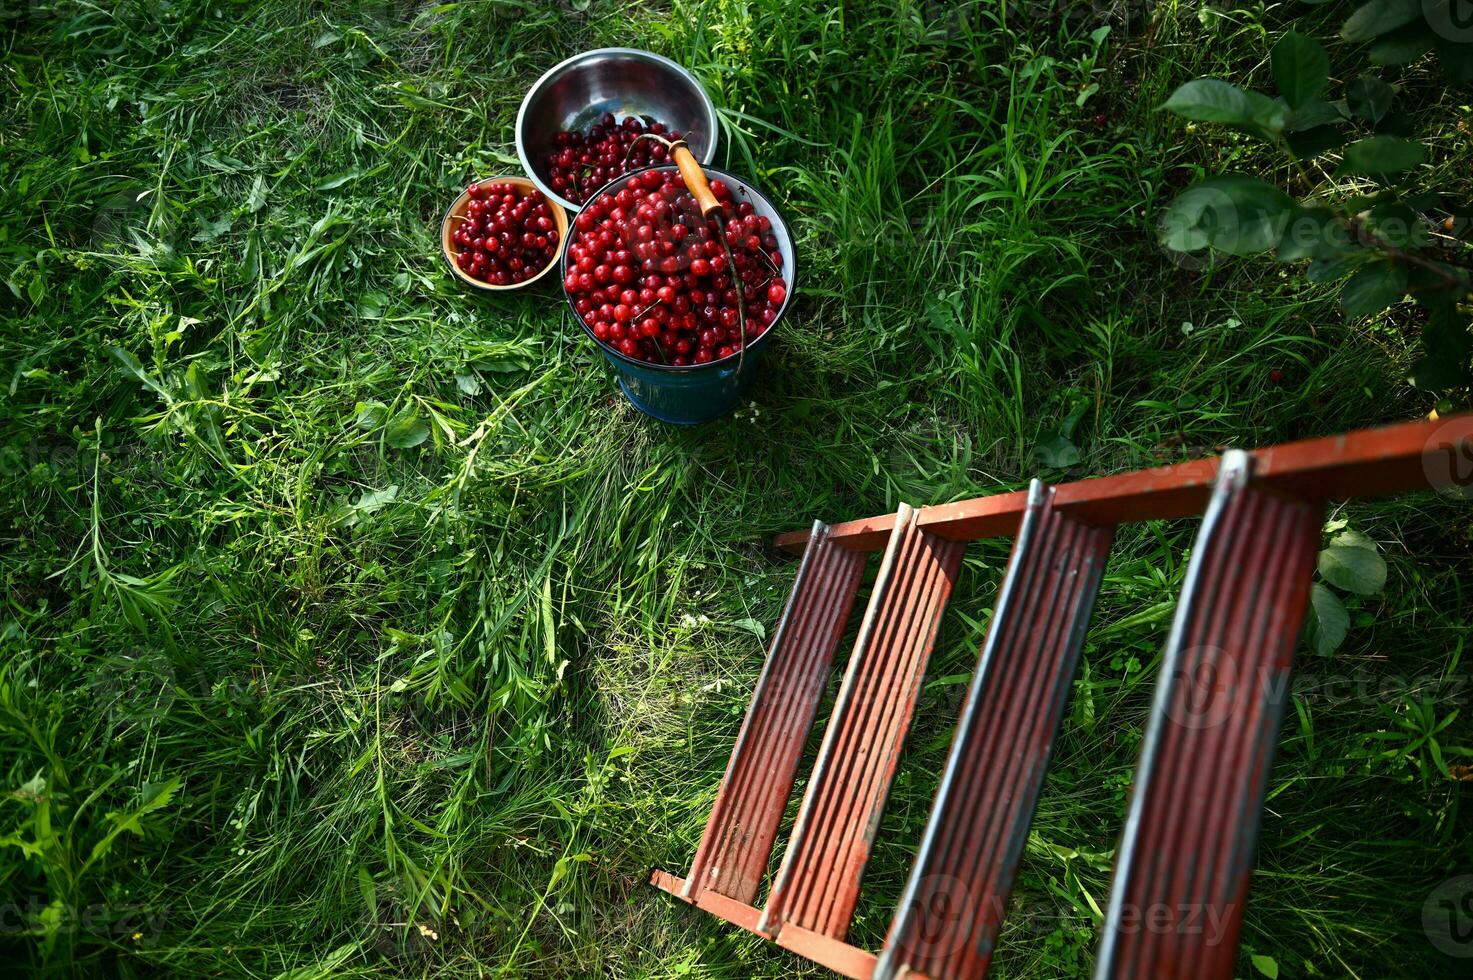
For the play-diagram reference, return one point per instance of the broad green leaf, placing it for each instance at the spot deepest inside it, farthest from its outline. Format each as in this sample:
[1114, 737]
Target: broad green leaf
[256, 199]
[1352, 563]
[1301, 68]
[1330, 269]
[754, 627]
[1403, 46]
[407, 430]
[1315, 113]
[1266, 965]
[374, 500]
[1235, 214]
[210, 230]
[1380, 156]
[565, 864]
[132, 365]
[339, 180]
[1369, 98]
[1396, 123]
[368, 890]
[1373, 288]
[1373, 19]
[1313, 142]
[1433, 373]
[1431, 287]
[1055, 451]
[1213, 100]
[468, 382]
[1364, 202]
[1312, 233]
[1456, 60]
[370, 415]
[1351, 538]
[1448, 343]
[1398, 224]
[1328, 621]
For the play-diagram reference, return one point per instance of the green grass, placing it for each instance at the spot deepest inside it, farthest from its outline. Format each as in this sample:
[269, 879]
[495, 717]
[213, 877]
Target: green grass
[278, 699]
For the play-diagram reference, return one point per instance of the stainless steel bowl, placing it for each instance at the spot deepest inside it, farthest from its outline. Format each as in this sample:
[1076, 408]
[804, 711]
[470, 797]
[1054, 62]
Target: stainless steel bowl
[625, 81]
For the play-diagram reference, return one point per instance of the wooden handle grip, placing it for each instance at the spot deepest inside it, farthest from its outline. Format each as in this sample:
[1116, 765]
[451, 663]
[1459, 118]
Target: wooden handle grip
[695, 181]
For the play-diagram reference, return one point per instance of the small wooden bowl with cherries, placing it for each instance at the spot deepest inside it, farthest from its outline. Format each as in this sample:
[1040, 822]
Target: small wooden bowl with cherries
[501, 234]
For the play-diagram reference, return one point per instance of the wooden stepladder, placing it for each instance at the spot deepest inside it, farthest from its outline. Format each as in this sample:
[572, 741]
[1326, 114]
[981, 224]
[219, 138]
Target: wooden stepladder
[1186, 849]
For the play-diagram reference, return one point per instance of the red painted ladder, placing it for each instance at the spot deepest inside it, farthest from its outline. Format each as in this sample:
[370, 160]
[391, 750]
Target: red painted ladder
[1186, 850]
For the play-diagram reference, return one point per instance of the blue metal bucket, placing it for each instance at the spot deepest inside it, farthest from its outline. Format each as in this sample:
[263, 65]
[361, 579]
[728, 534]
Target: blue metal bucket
[689, 395]
[697, 392]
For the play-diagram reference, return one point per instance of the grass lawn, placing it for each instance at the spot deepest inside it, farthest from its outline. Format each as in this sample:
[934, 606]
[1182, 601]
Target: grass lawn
[278, 699]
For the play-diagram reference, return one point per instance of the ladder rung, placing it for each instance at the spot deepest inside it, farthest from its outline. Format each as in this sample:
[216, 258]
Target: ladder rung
[948, 918]
[1182, 869]
[734, 851]
[818, 885]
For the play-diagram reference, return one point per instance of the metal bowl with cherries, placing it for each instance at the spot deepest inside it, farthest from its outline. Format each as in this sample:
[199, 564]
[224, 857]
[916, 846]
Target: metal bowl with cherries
[574, 94]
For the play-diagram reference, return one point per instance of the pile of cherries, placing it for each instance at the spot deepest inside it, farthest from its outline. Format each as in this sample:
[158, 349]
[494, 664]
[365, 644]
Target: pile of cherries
[584, 162]
[648, 274]
[508, 234]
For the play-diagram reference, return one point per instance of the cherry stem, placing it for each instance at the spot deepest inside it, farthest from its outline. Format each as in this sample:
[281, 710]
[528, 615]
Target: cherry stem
[770, 264]
[659, 350]
[736, 282]
[650, 136]
[638, 317]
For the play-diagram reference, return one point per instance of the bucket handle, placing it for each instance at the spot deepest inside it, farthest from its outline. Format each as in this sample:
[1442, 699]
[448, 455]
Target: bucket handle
[710, 208]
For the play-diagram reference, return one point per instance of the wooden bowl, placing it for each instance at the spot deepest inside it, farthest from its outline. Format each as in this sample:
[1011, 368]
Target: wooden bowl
[456, 215]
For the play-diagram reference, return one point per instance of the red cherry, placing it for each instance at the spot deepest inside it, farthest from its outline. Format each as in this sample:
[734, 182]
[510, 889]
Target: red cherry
[651, 279]
[503, 239]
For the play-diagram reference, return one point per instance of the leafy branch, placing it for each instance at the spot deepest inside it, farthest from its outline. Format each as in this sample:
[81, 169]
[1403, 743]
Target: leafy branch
[1367, 222]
